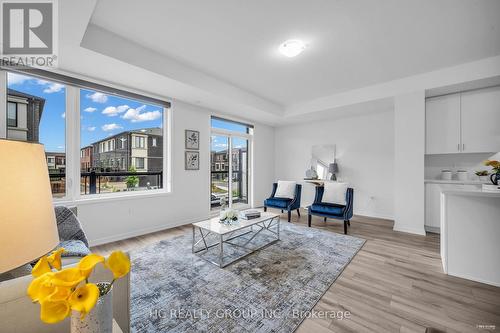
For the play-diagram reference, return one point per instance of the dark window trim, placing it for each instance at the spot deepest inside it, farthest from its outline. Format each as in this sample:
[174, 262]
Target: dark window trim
[86, 84]
[17, 115]
[232, 121]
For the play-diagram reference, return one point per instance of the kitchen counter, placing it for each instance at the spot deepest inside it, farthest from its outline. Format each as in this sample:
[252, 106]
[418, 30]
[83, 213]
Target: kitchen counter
[470, 230]
[478, 193]
[455, 181]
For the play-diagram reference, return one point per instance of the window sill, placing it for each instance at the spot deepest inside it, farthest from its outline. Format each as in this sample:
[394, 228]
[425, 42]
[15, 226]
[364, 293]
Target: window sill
[103, 198]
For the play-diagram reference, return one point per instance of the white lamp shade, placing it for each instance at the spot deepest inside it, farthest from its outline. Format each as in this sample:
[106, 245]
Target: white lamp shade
[28, 228]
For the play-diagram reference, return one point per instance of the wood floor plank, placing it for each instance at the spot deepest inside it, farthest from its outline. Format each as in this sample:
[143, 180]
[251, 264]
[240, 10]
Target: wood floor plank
[394, 284]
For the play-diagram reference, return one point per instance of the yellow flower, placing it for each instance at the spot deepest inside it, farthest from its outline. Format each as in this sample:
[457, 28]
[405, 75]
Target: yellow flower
[119, 263]
[68, 277]
[41, 267]
[59, 294]
[52, 312]
[88, 262]
[41, 287]
[83, 299]
[55, 258]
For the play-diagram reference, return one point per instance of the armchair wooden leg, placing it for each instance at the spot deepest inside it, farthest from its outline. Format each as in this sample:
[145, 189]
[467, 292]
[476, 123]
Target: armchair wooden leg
[324, 219]
[298, 212]
[309, 220]
[345, 227]
[265, 209]
[289, 216]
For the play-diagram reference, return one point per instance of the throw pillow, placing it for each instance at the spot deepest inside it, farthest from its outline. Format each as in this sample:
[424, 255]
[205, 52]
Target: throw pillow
[286, 189]
[335, 193]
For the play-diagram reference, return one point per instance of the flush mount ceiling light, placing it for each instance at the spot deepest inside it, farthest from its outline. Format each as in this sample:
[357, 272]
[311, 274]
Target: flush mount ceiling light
[292, 48]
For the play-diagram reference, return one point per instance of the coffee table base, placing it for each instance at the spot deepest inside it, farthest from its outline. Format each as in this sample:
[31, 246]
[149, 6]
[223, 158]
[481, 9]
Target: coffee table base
[264, 226]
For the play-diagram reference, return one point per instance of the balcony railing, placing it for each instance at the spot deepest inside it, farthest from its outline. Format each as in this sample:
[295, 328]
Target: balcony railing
[92, 182]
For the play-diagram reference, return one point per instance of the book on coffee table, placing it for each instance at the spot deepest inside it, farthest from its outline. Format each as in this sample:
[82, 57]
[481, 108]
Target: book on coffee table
[249, 214]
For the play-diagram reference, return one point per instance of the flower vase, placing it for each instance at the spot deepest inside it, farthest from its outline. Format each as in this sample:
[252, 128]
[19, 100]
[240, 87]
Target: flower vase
[99, 319]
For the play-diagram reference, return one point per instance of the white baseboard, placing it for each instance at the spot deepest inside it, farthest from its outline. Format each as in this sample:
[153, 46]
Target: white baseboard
[435, 230]
[418, 231]
[374, 215]
[144, 231]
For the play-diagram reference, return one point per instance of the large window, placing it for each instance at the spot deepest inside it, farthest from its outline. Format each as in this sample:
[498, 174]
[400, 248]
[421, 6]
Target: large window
[230, 164]
[122, 135]
[119, 133]
[36, 111]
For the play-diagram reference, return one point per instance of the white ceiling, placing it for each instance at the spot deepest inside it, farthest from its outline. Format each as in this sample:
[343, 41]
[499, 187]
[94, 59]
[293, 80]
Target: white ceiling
[352, 43]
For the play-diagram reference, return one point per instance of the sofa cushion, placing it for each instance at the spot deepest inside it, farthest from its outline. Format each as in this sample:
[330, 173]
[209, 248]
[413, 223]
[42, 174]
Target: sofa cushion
[328, 209]
[69, 226]
[277, 202]
[285, 189]
[74, 248]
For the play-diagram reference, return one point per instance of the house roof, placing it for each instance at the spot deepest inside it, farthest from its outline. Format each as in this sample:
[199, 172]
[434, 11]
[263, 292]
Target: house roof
[16, 93]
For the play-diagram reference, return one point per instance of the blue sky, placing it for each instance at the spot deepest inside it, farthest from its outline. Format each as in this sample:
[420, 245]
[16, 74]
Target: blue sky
[101, 115]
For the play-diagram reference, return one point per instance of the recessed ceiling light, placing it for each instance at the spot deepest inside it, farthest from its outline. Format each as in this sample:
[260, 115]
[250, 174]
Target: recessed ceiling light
[292, 48]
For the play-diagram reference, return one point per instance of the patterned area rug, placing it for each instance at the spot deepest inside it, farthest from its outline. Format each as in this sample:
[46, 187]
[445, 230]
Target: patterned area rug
[270, 290]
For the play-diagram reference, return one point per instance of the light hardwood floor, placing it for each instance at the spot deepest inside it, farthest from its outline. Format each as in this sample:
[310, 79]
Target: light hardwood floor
[394, 284]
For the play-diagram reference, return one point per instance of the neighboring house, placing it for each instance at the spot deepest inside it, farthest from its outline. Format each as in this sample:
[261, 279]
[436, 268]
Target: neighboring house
[141, 149]
[24, 112]
[86, 155]
[220, 162]
[56, 162]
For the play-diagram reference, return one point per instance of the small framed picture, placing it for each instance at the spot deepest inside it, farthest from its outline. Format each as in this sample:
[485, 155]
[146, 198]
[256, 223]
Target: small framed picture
[192, 160]
[192, 139]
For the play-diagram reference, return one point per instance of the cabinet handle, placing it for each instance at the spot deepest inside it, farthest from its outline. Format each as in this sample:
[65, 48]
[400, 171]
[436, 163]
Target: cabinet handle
[463, 146]
[458, 147]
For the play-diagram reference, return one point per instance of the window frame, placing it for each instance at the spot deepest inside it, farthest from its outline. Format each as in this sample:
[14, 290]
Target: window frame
[73, 86]
[17, 114]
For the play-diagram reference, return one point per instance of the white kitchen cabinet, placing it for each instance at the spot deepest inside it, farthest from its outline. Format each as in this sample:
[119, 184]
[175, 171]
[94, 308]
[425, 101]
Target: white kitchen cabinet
[433, 202]
[480, 112]
[442, 124]
[467, 122]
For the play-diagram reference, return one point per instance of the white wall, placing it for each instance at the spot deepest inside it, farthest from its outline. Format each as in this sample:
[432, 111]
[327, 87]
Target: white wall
[365, 153]
[111, 220]
[470, 162]
[409, 143]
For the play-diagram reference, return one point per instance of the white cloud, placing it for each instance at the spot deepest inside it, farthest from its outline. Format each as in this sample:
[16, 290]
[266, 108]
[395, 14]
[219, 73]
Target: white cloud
[112, 111]
[63, 115]
[90, 109]
[98, 97]
[14, 78]
[91, 128]
[53, 88]
[110, 127]
[137, 115]
[60, 147]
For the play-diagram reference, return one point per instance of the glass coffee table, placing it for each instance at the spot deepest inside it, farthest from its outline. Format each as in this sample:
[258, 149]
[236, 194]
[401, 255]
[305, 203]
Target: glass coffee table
[223, 244]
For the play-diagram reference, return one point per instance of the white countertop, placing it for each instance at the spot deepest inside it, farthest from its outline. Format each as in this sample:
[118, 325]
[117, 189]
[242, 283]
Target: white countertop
[455, 181]
[477, 193]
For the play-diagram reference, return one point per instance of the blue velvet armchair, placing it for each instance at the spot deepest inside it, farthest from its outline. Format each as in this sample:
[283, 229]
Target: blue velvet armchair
[284, 203]
[332, 211]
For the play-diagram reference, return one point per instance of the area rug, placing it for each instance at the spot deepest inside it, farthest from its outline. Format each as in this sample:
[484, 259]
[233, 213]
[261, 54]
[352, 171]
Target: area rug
[271, 290]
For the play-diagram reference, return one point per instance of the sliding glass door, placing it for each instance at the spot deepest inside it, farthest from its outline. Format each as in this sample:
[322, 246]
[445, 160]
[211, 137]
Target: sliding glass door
[239, 177]
[219, 164]
[230, 165]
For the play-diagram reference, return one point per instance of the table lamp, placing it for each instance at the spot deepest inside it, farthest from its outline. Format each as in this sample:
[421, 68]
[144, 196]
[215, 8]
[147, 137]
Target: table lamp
[27, 218]
[333, 168]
